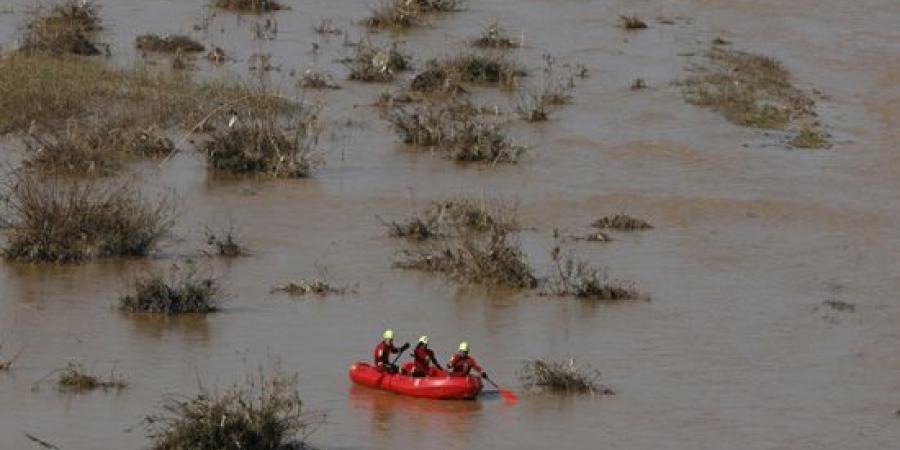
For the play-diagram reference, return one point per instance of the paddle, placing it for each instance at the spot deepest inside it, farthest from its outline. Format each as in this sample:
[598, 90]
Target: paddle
[508, 396]
[400, 353]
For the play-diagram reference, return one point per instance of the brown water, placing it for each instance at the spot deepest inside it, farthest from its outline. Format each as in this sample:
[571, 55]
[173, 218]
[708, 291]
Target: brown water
[735, 350]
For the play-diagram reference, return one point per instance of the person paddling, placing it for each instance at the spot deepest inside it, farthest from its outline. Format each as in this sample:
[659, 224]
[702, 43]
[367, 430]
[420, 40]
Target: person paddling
[422, 358]
[383, 351]
[461, 363]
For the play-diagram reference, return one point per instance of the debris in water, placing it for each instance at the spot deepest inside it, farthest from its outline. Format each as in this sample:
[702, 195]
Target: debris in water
[621, 222]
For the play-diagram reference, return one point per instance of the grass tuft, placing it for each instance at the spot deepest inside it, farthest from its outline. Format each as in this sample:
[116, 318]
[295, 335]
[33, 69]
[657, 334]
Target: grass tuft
[75, 378]
[167, 43]
[318, 286]
[313, 79]
[810, 137]
[561, 376]
[183, 291]
[225, 243]
[65, 27]
[53, 221]
[263, 414]
[495, 35]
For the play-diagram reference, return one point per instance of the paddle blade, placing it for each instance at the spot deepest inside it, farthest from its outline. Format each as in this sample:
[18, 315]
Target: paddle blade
[508, 396]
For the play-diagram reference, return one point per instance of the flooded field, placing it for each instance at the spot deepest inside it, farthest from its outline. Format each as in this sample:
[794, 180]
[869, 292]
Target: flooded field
[751, 243]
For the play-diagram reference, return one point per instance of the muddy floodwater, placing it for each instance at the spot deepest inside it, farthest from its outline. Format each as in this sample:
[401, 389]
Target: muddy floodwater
[736, 349]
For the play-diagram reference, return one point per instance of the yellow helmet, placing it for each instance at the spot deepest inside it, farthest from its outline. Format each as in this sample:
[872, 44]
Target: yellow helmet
[423, 340]
[388, 334]
[464, 346]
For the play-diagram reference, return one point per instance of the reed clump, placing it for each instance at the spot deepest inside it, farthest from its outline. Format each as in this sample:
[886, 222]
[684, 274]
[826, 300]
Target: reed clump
[455, 131]
[168, 43]
[562, 377]
[75, 378]
[182, 291]
[577, 278]
[258, 146]
[264, 413]
[64, 27]
[55, 221]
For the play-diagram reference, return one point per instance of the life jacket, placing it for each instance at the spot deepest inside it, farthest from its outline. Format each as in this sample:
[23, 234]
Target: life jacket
[382, 353]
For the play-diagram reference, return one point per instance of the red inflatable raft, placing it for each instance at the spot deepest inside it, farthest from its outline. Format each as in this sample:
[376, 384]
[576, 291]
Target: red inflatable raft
[437, 385]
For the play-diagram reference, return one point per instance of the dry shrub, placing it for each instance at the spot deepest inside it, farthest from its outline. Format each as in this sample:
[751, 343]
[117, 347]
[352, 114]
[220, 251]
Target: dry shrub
[577, 278]
[396, 14]
[258, 146]
[415, 228]
[456, 131]
[167, 43]
[45, 89]
[313, 79]
[435, 78]
[561, 376]
[225, 243]
[810, 137]
[535, 104]
[262, 414]
[62, 28]
[494, 260]
[75, 378]
[747, 89]
[52, 221]
[376, 64]
[632, 22]
[182, 291]
[622, 222]
[84, 149]
[495, 35]
[254, 6]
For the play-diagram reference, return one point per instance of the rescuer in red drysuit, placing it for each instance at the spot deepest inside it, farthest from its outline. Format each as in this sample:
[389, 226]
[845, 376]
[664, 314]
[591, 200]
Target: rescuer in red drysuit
[422, 356]
[383, 351]
[461, 363]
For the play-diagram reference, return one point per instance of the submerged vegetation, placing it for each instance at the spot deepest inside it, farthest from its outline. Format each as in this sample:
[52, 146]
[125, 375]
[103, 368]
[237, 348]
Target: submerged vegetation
[404, 14]
[495, 35]
[254, 6]
[561, 376]
[182, 291]
[753, 91]
[632, 22]
[443, 218]
[263, 414]
[225, 243]
[318, 286]
[6, 364]
[75, 378]
[313, 79]
[55, 221]
[168, 43]
[622, 222]
[65, 27]
[809, 137]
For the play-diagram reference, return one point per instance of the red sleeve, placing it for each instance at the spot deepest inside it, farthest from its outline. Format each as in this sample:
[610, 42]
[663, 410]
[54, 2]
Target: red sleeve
[475, 365]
